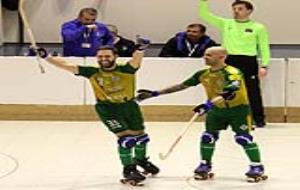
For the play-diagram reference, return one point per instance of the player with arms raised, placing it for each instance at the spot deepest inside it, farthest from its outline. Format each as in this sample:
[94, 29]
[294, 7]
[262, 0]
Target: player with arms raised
[114, 87]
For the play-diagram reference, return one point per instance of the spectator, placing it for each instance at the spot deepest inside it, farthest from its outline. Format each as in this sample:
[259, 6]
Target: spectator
[191, 43]
[124, 46]
[84, 36]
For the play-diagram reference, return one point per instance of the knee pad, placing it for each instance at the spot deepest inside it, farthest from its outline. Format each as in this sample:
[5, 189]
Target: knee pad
[142, 139]
[243, 139]
[127, 141]
[209, 138]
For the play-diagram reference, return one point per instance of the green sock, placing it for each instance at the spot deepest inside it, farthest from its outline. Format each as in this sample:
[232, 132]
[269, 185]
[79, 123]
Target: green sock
[207, 151]
[140, 151]
[252, 152]
[125, 156]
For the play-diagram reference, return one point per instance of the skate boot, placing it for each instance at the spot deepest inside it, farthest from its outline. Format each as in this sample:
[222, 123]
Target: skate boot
[132, 176]
[147, 166]
[256, 174]
[203, 172]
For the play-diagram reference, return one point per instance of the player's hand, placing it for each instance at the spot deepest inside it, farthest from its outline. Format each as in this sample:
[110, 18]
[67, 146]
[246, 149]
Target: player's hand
[31, 51]
[91, 27]
[228, 95]
[230, 89]
[41, 52]
[145, 94]
[203, 108]
[142, 43]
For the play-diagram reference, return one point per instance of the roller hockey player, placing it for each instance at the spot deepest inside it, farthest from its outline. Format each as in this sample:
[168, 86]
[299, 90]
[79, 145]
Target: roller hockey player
[220, 79]
[114, 85]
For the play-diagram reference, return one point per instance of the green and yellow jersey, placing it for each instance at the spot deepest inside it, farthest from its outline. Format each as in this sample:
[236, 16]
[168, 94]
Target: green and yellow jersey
[214, 83]
[117, 86]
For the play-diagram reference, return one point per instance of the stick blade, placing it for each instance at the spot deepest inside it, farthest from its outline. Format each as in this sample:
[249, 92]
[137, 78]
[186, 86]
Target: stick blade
[162, 156]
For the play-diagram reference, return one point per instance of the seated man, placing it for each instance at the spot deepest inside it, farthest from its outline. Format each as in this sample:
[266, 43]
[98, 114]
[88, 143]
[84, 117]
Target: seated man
[191, 43]
[84, 36]
[124, 46]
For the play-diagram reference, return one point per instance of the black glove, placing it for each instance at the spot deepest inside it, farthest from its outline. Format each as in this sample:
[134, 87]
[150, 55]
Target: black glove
[145, 94]
[230, 89]
[203, 108]
[142, 43]
[41, 52]
[228, 95]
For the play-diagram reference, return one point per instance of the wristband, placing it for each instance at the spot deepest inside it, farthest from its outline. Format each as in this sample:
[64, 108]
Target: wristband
[155, 93]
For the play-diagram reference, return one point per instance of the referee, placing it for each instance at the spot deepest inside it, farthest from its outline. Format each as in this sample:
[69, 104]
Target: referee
[244, 39]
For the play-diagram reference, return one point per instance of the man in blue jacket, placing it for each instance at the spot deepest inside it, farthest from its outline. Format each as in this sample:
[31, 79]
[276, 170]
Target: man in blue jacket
[191, 43]
[84, 36]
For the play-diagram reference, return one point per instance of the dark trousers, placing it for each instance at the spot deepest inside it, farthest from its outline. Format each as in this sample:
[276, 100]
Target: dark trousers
[249, 67]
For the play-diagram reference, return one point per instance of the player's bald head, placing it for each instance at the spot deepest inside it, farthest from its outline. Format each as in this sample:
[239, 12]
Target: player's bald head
[215, 56]
[217, 50]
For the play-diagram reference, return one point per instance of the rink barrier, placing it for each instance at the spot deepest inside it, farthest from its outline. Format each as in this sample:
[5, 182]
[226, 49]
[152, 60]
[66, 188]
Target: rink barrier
[59, 95]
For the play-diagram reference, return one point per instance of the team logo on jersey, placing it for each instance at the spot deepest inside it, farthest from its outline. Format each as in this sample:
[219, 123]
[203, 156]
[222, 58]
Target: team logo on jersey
[115, 78]
[124, 48]
[100, 81]
[244, 127]
[248, 30]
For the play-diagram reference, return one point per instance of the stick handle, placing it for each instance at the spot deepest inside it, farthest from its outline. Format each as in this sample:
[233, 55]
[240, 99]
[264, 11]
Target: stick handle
[185, 129]
[26, 23]
[30, 33]
[177, 140]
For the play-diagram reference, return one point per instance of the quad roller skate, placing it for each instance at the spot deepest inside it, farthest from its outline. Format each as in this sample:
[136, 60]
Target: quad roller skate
[256, 174]
[147, 166]
[132, 176]
[203, 172]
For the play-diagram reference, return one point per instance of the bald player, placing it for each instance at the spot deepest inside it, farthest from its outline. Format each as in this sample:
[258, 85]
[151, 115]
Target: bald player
[220, 79]
[245, 40]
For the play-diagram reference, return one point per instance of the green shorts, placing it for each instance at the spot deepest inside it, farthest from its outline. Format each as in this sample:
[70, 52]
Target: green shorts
[239, 118]
[121, 117]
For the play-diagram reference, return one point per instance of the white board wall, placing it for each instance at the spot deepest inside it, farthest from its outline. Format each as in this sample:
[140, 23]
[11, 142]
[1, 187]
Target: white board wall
[293, 83]
[22, 83]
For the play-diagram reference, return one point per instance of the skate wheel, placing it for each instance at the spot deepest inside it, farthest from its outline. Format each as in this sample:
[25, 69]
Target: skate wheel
[131, 182]
[257, 179]
[264, 177]
[203, 176]
[253, 179]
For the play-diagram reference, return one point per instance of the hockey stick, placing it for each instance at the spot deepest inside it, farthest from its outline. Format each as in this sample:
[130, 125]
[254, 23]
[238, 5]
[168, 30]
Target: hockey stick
[164, 156]
[30, 34]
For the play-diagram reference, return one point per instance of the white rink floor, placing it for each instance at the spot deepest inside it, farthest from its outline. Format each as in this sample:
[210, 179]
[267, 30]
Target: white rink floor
[83, 156]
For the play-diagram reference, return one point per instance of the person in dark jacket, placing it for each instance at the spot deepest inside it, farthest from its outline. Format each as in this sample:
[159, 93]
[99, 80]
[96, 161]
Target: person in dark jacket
[84, 36]
[124, 46]
[191, 43]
